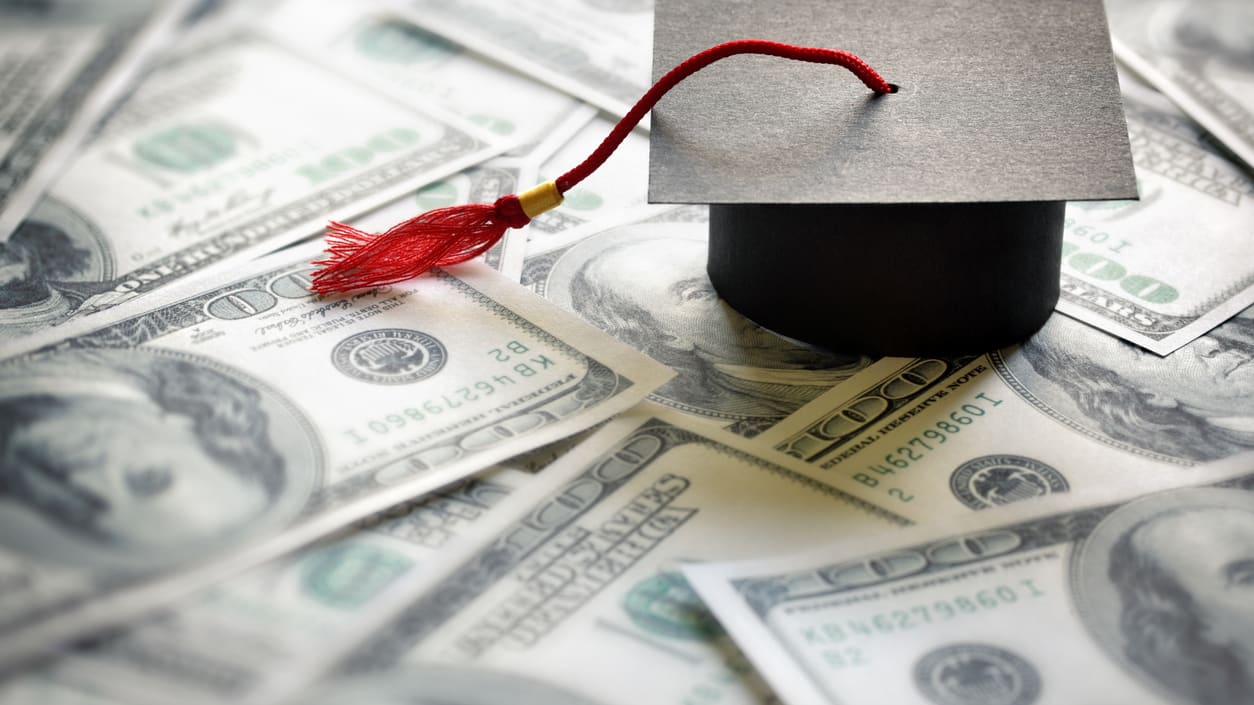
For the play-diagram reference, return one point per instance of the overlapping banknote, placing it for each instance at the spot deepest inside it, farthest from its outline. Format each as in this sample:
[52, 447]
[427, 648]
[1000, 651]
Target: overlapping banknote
[229, 424]
[600, 51]
[1200, 54]
[1116, 599]
[62, 64]
[586, 578]
[272, 630]
[227, 151]
[1134, 268]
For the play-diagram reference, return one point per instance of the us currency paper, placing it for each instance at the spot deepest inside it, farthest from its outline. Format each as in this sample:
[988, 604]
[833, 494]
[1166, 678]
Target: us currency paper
[599, 51]
[1138, 600]
[62, 64]
[375, 45]
[233, 423]
[641, 277]
[229, 150]
[1163, 270]
[1198, 53]
[1072, 410]
[259, 635]
[587, 579]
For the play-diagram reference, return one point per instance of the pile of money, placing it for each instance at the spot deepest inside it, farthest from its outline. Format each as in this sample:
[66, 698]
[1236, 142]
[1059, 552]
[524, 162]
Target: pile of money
[567, 473]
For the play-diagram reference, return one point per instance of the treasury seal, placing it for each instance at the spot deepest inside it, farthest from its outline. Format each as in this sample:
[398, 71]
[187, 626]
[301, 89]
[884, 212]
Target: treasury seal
[991, 480]
[976, 674]
[389, 356]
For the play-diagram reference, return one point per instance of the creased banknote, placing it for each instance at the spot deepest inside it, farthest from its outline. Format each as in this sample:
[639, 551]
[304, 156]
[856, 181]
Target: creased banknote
[258, 636]
[229, 150]
[233, 423]
[1142, 599]
[586, 578]
[62, 65]
[641, 278]
[1165, 269]
[1198, 52]
[1071, 410]
[598, 50]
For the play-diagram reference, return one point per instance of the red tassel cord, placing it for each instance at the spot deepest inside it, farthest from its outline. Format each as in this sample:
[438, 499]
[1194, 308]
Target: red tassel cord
[357, 260]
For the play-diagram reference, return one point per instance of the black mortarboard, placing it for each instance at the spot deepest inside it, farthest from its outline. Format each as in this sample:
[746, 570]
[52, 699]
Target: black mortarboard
[928, 221]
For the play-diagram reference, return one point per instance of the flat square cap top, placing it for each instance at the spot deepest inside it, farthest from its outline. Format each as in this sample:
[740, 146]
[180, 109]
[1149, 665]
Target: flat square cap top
[999, 100]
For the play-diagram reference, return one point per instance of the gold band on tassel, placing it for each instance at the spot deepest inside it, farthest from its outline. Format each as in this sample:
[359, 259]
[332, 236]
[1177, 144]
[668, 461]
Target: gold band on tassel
[539, 199]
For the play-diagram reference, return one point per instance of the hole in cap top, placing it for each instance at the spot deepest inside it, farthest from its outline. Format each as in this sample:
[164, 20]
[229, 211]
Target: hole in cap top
[892, 88]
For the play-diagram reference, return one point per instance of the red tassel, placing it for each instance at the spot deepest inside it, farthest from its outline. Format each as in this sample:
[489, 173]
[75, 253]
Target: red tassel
[356, 260]
[438, 238]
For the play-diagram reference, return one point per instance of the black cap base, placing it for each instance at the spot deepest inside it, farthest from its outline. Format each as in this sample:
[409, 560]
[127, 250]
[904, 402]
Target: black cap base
[891, 279]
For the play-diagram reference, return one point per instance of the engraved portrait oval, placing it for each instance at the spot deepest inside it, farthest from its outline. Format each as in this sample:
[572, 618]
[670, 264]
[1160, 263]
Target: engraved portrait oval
[133, 460]
[646, 284]
[446, 685]
[1193, 405]
[48, 266]
[1165, 585]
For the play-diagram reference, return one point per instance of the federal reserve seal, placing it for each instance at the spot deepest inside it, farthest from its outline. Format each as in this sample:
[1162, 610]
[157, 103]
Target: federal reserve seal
[991, 480]
[389, 356]
[976, 674]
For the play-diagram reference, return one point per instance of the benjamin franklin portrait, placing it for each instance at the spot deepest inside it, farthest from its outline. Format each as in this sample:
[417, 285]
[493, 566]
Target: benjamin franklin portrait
[134, 452]
[48, 266]
[1196, 404]
[646, 285]
[1166, 584]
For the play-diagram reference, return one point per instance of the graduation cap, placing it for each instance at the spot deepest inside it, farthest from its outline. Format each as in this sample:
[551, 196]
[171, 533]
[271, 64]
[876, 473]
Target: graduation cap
[924, 222]
[922, 217]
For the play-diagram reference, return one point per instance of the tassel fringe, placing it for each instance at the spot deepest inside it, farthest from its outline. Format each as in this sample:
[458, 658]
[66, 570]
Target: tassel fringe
[438, 238]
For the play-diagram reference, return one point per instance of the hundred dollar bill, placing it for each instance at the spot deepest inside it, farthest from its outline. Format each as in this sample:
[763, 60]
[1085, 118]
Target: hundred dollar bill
[232, 423]
[258, 636]
[586, 579]
[62, 64]
[598, 50]
[1133, 600]
[1071, 410]
[375, 45]
[1199, 53]
[641, 278]
[229, 150]
[1163, 270]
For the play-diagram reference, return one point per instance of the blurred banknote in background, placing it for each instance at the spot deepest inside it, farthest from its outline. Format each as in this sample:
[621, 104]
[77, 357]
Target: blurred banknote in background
[1200, 53]
[225, 152]
[62, 64]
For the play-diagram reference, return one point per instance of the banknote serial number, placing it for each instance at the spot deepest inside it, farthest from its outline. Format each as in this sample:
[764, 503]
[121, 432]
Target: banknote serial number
[832, 638]
[521, 362]
[918, 446]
